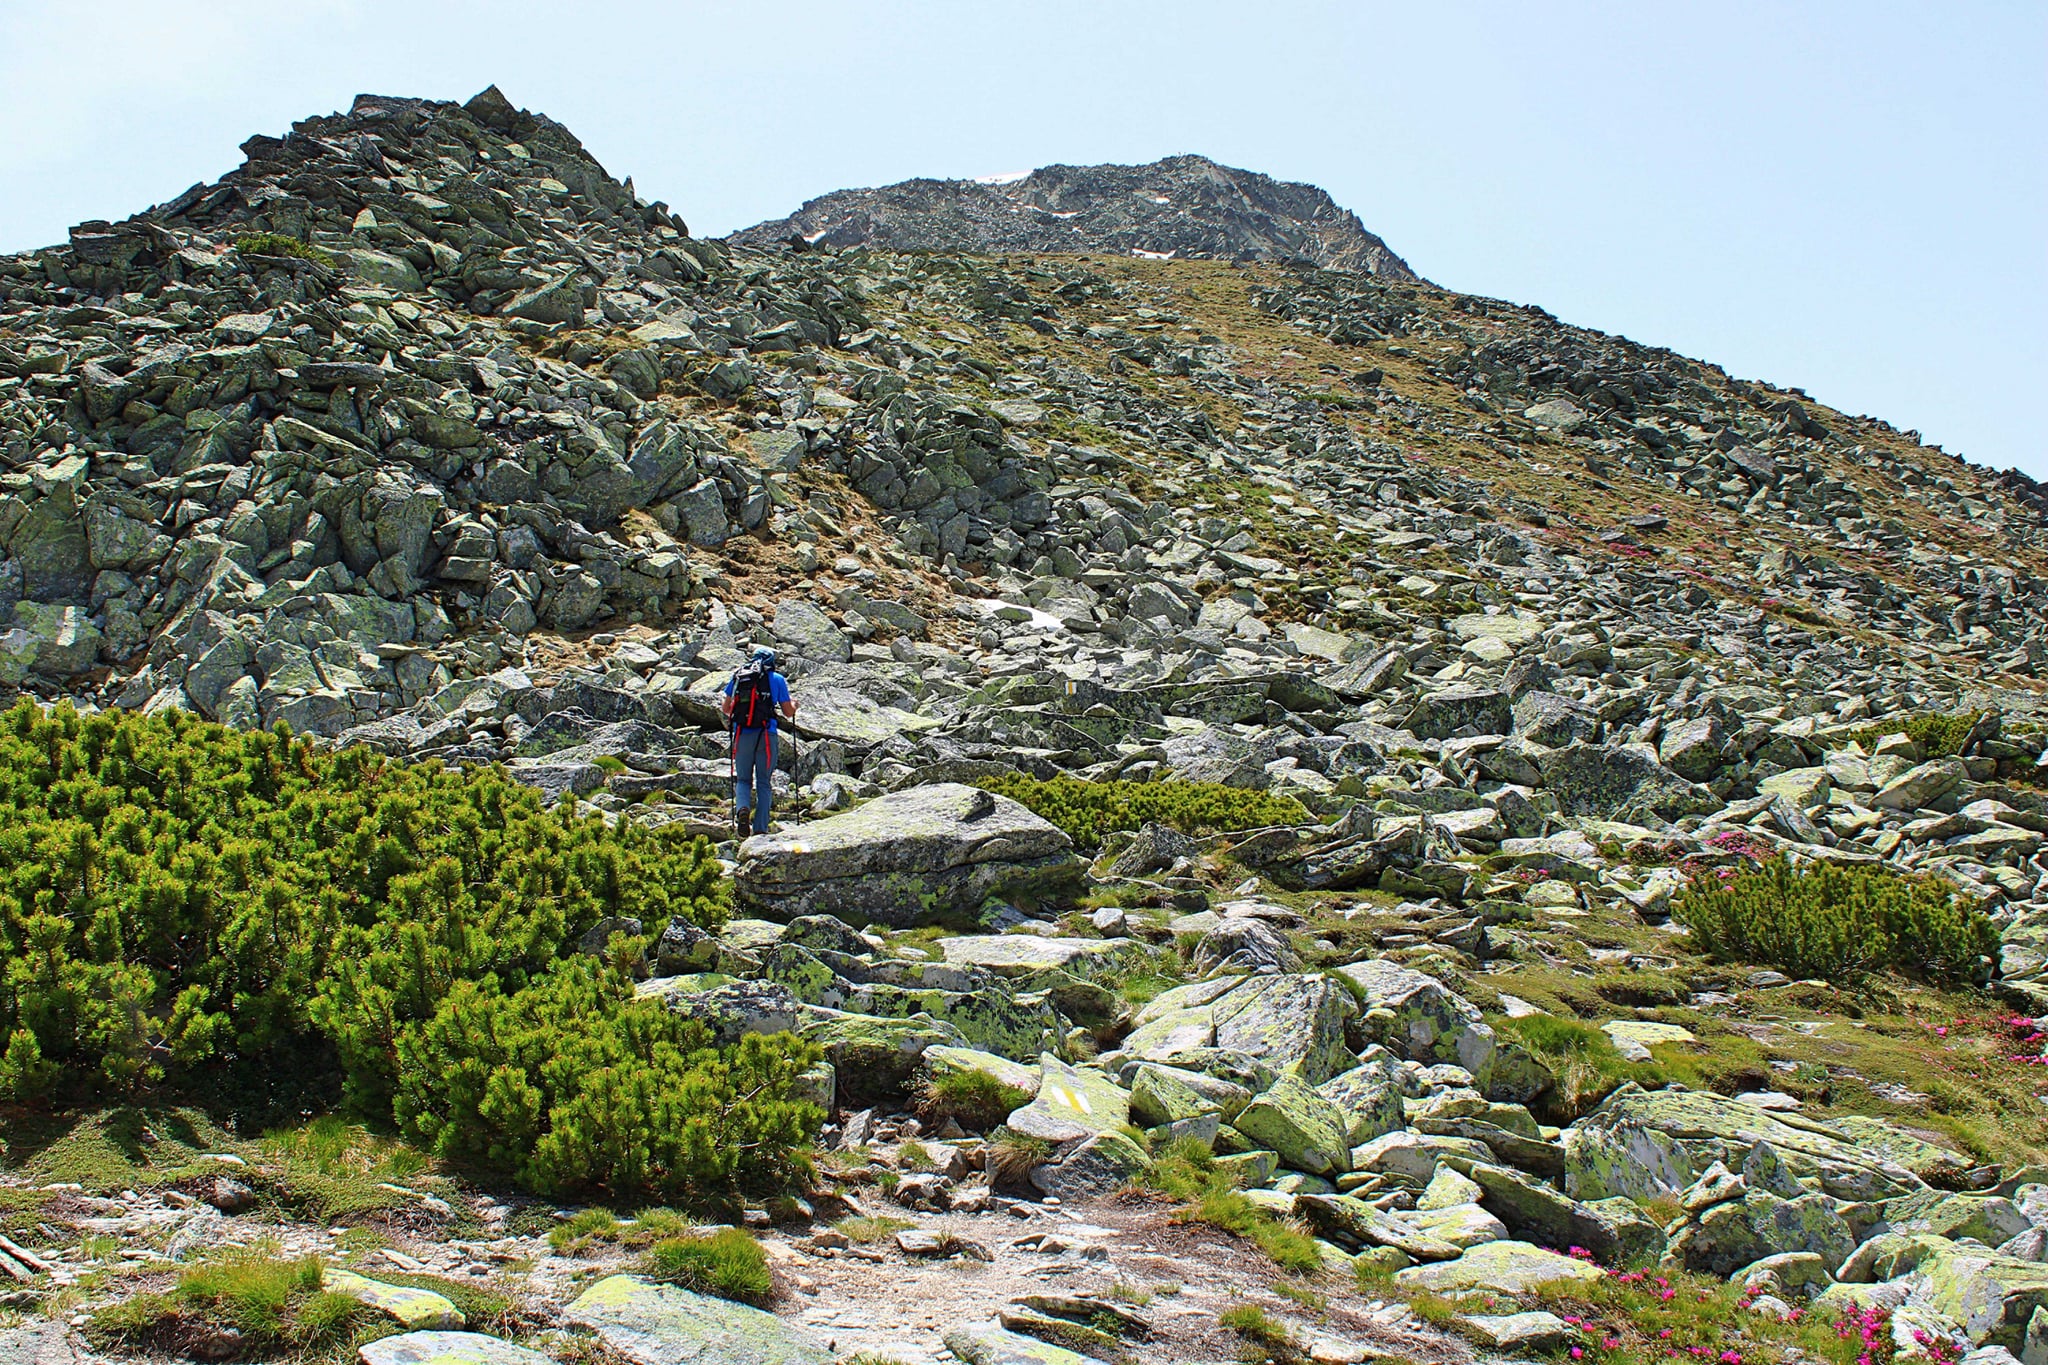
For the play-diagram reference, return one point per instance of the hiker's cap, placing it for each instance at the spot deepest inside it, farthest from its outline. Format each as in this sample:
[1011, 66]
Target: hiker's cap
[764, 654]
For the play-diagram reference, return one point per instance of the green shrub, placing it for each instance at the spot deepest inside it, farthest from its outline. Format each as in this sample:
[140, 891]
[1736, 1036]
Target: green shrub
[864, 1229]
[237, 917]
[728, 1263]
[277, 244]
[1088, 811]
[975, 1100]
[1937, 736]
[1838, 923]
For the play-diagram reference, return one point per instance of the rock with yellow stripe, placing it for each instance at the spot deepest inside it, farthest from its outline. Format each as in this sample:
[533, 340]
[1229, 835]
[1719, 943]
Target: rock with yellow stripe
[1072, 1103]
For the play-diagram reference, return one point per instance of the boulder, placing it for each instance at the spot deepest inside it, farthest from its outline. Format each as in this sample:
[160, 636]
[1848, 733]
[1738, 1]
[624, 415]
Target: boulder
[990, 1344]
[1642, 1143]
[416, 1309]
[1497, 1267]
[908, 858]
[1369, 1096]
[1611, 781]
[1099, 1164]
[1071, 1103]
[1613, 1231]
[1305, 1129]
[1518, 1334]
[1418, 1017]
[443, 1348]
[662, 1324]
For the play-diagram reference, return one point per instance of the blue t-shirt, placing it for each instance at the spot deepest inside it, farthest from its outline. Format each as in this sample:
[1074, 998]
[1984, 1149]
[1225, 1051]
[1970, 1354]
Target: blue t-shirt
[778, 688]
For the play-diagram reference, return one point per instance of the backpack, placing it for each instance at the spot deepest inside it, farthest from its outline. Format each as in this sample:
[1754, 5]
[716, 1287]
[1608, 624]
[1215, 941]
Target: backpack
[753, 696]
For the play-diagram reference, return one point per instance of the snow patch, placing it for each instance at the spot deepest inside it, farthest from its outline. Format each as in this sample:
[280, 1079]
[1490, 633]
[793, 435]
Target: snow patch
[1001, 178]
[1152, 255]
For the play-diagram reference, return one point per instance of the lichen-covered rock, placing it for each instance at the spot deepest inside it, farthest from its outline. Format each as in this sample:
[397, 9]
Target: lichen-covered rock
[874, 1059]
[908, 858]
[1355, 1224]
[1304, 1128]
[1501, 1267]
[1418, 1017]
[662, 1324]
[989, 1344]
[1733, 1234]
[1642, 1143]
[1614, 1231]
[1462, 1225]
[1990, 1297]
[1072, 1103]
[947, 1061]
[1610, 781]
[1099, 1164]
[1983, 1218]
[416, 1309]
[1294, 1021]
[1413, 1157]
[444, 1348]
[1369, 1096]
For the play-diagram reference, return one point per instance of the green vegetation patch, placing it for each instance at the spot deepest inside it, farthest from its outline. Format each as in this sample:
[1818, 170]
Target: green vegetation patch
[277, 244]
[274, 1306]
[1838, 923]
[1185, 1170]
[728, 1263]
[975, 1100]
[1089, 811]
[1937, 736]
[188, 912]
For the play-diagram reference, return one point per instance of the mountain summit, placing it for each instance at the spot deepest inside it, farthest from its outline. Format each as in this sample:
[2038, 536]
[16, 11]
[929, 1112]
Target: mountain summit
[1183, 206]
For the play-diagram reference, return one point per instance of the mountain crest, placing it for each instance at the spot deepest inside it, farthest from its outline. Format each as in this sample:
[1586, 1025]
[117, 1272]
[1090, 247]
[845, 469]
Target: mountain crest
[1179, 207]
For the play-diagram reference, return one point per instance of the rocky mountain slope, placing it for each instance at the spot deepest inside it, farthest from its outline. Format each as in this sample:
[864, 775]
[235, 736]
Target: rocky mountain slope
[1497, 636]
[1179, 207]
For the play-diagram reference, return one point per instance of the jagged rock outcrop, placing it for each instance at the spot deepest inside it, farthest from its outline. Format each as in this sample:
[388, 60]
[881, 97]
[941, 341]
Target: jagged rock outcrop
[1182, 206]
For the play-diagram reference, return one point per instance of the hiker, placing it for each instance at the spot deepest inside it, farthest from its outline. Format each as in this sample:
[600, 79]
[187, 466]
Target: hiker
[754, 696]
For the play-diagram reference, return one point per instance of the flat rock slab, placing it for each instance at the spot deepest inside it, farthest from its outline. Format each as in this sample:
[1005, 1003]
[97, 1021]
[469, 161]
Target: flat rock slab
[660, 1324]
[1519, 1331]
[989, 1344]
[44, 1343]
[1022, 954]
[419, 1308]
[1633, 1038]
[908, 858]
[1503, 1267]
[447, 1348]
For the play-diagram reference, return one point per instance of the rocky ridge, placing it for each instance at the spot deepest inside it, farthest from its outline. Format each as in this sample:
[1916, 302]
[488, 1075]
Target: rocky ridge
[1178, 207]
[420, 431]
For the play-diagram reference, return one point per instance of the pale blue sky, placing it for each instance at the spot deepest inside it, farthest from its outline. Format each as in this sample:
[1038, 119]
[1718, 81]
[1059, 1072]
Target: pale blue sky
[1852, 198]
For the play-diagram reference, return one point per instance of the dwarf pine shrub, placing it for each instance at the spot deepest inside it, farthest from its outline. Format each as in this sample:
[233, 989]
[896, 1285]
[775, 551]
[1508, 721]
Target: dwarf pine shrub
[248, 920]
[277, 244]
[1838, 923]
[1088, 811]
[1937, 736]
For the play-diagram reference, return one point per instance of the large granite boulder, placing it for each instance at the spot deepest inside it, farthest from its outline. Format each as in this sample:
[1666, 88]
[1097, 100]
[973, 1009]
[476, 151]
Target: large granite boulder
[1417, 1017]
[908, 858]
[1642, 1143]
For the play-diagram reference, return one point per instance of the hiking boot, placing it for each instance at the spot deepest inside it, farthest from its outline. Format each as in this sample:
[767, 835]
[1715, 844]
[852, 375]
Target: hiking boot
[743, 822]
